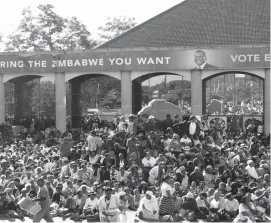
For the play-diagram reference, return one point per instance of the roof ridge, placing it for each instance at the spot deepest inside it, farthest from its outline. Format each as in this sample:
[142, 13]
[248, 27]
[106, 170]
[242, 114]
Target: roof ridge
[140, 25]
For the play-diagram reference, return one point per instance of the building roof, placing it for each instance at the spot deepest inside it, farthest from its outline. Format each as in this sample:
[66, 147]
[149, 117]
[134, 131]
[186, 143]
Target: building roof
[198, 23]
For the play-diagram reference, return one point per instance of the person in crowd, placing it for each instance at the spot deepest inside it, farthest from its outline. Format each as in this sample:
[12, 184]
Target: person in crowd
[166, 205]
[167, 123]
[109, 207]
[148, 207]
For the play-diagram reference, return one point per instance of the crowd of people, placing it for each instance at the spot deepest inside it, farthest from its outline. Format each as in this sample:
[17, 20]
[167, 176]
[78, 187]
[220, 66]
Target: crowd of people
[244, 107]
[171, 170]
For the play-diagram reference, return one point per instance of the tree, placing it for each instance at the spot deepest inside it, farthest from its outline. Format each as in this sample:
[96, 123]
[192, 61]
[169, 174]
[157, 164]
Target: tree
[49, 31]
[116, 26]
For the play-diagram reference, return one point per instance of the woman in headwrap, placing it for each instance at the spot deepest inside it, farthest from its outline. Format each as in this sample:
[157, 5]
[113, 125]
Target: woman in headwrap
[148, 207]
[166, 205]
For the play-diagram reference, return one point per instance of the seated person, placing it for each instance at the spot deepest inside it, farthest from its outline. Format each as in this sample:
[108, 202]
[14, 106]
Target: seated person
[148, 207]
[91, 209]
[67, 205]
[9, 208]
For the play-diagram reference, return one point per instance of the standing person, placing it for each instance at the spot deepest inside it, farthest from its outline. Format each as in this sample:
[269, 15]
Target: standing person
[168, 122]
[65, 148]
[151, 125]
[109, 207]
[192, 127]
[44, 202]
[93, 141]
[166, 205]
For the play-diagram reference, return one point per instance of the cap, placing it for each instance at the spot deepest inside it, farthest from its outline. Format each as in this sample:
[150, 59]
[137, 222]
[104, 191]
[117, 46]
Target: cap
[108, 189]
[190, 195]
[249, 162]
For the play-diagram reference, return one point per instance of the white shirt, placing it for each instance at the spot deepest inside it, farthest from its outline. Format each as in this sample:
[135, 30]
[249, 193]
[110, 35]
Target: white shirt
[148, 163]
[91, 204]
[93, 141]
[200, 203]
[218, 204]
[166, 187]
[110, 207]
[201, 66]
[252, 172]
[186, 141]
[192, 128]
[231, 205]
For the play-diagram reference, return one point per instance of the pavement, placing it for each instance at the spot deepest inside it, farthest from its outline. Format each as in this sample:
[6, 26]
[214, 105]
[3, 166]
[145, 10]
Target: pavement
[130, 219]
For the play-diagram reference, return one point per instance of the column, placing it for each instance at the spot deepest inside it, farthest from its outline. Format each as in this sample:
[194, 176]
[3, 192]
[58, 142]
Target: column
[60, 102]
[136, 96]
[126, 93]
[20, 100]
[75, 103]
[267, 101]
[2, 99]
[196, 92]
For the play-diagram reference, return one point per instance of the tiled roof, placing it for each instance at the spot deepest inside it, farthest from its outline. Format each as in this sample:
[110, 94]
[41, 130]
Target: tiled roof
[202, 23]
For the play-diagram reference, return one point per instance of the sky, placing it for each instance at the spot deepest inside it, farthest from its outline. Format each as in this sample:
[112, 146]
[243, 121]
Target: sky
[93, 13]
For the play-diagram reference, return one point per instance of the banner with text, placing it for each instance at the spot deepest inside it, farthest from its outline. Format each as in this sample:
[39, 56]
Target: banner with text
[160, 60]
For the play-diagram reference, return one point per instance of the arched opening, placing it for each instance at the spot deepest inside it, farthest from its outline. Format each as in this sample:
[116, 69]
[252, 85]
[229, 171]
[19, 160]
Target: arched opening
[172, 87]
[30, 101]
[92, 94]
[234, 98]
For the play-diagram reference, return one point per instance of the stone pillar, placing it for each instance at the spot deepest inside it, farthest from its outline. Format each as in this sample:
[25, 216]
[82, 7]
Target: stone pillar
[126, 93]
[196, 92]
[2, 99]
[60, 102]
[267, 101]
[75, 103]
[136, 96]
[19, 100]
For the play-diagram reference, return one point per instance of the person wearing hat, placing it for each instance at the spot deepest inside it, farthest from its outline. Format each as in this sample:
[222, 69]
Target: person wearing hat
[109, 207]
[90, 209]
[151, 125]
[260, 201]
[250, 168]
[189, 205]
[148, 207]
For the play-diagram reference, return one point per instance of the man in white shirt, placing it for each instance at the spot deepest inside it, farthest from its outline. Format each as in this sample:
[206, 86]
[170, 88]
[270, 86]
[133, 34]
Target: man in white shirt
[91, 205]
[109, 207]
[231, 205]
[93, 141]
[148, 161]
[251, 169]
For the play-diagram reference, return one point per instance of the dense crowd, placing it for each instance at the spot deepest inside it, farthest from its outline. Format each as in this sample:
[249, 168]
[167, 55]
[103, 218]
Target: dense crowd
[163, 171]
[244, 107]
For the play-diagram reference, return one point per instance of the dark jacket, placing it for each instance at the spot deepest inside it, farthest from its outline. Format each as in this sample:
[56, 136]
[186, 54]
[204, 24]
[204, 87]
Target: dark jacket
[65, 148]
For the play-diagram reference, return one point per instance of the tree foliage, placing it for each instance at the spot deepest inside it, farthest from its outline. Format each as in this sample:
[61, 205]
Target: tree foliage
[116, 26]
[49, 31]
